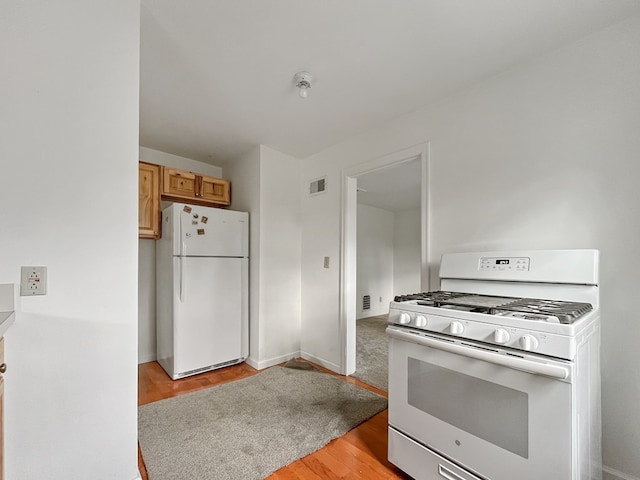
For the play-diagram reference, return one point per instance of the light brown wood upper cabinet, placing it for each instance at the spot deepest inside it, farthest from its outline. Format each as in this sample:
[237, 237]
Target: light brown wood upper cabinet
[148, 200]
[215, 190]
[156, 183]
[189, 187]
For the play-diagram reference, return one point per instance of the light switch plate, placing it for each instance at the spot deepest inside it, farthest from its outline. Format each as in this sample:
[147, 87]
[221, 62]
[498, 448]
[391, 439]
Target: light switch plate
[33, 281]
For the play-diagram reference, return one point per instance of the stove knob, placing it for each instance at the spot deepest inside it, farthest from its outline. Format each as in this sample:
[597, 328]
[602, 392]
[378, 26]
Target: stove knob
[404, 319]
[528, 342]
[456, 328]
[421, 321]
[501, 336]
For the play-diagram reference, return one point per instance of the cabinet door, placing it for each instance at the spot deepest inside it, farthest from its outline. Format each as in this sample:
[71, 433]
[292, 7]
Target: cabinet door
[215, 190]
[178, 183]
[148, 201]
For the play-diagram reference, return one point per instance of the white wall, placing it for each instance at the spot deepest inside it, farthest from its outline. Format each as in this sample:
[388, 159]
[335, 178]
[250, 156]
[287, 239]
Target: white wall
[375, 259]
[150, 155]
[280, 251]
[244, 174]
[542, 156]
[267, 186]
[406, 252]
[147, 255]
[320, 238]
[388, 257]
[69, 123]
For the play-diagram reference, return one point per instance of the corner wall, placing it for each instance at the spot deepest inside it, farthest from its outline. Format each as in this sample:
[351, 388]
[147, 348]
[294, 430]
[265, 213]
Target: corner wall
[244, 174]
[280, 251]
[69, 151]
[406, 252]
[375, 260]
[266, 184]
[541, 156]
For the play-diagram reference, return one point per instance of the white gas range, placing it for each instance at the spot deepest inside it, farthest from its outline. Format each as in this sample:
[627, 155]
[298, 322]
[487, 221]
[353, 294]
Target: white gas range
[497, 375]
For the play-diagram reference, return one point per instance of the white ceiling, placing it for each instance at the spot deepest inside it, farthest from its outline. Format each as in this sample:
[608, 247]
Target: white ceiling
[217, 75]
[394, 189]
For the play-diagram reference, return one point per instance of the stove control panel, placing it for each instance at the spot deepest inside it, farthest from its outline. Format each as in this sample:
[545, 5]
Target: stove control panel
[522, 335]
[513, 264]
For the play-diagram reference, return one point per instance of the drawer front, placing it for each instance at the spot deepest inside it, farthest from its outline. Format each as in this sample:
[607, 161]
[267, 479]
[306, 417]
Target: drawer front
[420, 462]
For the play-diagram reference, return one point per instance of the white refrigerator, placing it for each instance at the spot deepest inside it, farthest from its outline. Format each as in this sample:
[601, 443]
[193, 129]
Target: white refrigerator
[202, 268]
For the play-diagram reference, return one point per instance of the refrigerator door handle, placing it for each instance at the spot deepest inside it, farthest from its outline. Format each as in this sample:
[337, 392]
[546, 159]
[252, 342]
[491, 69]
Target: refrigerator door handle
[180, 238]
[182, 280]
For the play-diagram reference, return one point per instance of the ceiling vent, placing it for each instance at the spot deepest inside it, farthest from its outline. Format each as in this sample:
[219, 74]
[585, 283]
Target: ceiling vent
[318, 186]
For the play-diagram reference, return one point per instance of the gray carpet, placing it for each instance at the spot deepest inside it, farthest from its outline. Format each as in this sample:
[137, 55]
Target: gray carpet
[372, 356]
[247, 429]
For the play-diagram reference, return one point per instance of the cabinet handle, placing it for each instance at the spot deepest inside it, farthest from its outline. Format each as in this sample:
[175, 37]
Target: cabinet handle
[3, 368]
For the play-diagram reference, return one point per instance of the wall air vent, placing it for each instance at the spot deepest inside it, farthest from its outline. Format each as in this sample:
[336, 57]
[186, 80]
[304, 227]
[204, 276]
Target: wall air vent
[366, 302]
[318, 186]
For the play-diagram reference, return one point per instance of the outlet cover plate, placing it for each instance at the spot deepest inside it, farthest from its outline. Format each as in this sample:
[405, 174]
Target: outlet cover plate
[33, 281]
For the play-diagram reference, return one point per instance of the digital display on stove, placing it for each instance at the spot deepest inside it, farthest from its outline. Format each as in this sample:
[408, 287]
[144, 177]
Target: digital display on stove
[504, 264]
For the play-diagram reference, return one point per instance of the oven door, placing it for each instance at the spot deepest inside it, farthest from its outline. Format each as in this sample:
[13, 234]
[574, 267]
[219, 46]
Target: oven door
[498, 414]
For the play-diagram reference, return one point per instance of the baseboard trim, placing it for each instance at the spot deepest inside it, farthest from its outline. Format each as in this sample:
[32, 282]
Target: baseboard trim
[251, 362]
[618, 474]
[329, 365]
[146, 357]
[261, 365]
[372, 313]
[271, 361]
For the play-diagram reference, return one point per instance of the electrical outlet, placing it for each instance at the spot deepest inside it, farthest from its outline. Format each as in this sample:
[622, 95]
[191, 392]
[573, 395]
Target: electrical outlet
[33, 281]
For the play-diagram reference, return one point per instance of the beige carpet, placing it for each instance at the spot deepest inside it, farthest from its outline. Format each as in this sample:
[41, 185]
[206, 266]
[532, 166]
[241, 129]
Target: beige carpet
[372, 356]
[247, 429]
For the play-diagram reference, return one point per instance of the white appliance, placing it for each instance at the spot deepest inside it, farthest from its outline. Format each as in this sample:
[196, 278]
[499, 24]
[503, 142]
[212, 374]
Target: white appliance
[201, 289]
[497, 376]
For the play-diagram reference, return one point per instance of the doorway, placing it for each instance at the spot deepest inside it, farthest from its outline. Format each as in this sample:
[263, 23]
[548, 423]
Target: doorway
[379, 168]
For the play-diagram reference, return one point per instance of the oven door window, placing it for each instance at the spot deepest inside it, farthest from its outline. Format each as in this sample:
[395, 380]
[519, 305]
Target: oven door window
[496, 413]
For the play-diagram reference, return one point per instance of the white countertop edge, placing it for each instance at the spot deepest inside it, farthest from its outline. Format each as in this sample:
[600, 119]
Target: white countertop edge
[6, 320]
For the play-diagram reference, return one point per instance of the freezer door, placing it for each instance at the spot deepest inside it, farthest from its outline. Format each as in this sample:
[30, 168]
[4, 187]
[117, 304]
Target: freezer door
[210, 311]
[211, 232]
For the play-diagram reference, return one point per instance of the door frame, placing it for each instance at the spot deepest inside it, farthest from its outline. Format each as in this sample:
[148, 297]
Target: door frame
[348, 241]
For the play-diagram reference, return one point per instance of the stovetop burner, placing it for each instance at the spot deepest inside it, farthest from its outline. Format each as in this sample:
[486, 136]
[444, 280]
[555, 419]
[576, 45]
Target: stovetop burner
[525, 308]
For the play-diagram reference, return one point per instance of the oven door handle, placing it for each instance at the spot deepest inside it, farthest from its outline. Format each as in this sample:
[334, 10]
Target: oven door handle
[537, 368]
[448, 474]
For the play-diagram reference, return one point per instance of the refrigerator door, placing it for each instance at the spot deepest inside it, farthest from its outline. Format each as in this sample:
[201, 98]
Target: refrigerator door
[210, 232]
[210, 312]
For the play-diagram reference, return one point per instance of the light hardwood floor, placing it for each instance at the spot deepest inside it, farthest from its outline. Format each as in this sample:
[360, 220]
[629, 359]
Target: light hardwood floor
[359, 454]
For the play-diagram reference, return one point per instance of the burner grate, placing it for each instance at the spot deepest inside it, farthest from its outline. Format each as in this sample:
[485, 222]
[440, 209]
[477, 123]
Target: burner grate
[530, 308]
[566, 312]
[433, 297]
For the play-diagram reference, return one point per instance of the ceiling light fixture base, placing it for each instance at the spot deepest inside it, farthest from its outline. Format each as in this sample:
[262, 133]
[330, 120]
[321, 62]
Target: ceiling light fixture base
[303, 82]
